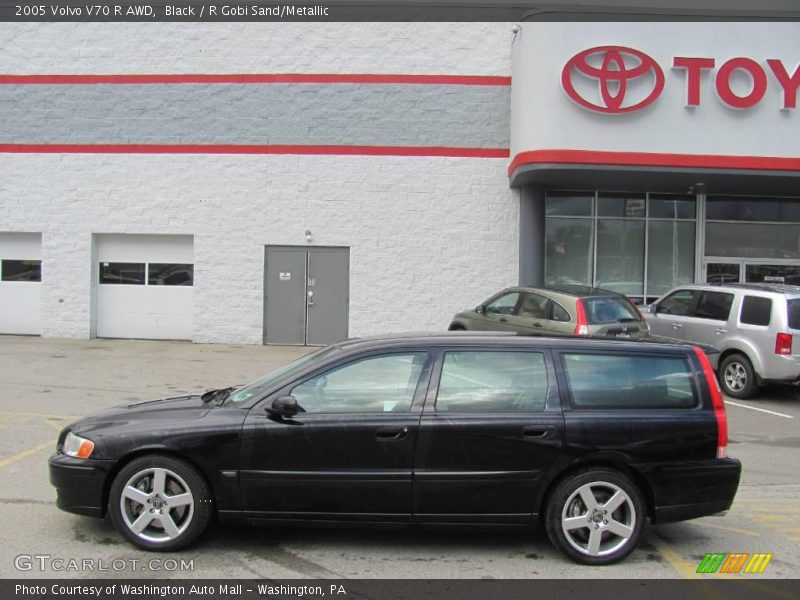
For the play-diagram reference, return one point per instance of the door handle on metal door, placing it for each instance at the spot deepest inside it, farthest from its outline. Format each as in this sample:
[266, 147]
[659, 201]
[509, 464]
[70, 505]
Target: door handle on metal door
[503, 320]
[537, 325]
[677, 326]
[389, 434]
[720, 330]
[538, 432]
[310, 297]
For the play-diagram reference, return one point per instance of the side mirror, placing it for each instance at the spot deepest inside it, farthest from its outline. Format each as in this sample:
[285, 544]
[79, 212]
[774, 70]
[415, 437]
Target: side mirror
[480, 309]
[653, 308]
[285, 406]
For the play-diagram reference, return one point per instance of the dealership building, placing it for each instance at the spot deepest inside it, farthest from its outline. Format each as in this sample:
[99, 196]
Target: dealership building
[302, 183]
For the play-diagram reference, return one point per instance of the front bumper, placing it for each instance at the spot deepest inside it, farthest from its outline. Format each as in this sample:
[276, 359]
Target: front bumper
[80, 484]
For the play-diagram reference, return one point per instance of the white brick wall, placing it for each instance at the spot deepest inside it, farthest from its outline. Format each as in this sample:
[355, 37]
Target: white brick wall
[428, 236]
[116, 48]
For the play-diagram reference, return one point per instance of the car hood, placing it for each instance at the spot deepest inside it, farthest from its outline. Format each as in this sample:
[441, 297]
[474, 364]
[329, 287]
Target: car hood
[180, 408]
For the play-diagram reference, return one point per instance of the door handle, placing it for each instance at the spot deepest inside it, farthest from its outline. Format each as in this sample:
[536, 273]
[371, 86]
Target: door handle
[677, 326]
[538, 432]
[537, 325]
[503, 320]
[388, 434]
[310, 297]
[720, 330]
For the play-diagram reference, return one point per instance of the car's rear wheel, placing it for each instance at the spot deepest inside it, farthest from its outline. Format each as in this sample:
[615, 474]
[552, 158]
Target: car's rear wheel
[595, 516]
[737, 377]
[160, 503]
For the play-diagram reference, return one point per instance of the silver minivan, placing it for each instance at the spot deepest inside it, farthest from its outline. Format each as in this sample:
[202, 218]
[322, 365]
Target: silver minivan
[755, 326]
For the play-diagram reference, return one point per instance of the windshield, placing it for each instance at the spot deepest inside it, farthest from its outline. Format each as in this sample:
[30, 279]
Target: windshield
[259, 386]
[609, 310]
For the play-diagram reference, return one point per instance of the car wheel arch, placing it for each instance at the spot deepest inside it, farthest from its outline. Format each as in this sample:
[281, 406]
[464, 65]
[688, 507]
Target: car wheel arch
[744, 349]
[156, 450]
[635, 476]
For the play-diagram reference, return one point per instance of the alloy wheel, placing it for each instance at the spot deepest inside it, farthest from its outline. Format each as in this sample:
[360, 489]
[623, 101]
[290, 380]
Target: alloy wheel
[598, 518]
[156, 505]
[735, 376]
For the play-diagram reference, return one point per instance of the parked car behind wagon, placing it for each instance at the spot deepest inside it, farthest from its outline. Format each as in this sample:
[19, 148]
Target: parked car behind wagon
[562, 310]
[590, 437]
[755, 327]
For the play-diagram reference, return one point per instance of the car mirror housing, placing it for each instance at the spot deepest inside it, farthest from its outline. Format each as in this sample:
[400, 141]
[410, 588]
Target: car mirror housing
[285, 406]
[479, 309]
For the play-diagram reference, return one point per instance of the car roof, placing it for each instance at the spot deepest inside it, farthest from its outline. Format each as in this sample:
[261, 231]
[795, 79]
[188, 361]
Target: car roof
[578, 291]
[776, 288]
[491, 338]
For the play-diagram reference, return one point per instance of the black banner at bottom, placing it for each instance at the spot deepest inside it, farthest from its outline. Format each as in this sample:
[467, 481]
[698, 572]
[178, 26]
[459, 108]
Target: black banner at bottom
[745, 588]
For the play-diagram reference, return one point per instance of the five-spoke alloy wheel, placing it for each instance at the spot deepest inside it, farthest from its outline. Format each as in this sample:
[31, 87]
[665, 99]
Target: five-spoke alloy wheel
[160, 503]
[595, 516]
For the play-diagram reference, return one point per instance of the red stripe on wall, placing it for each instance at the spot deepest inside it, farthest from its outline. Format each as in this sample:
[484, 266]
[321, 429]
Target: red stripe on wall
[653, 159]
[443, 151]
[255, 78]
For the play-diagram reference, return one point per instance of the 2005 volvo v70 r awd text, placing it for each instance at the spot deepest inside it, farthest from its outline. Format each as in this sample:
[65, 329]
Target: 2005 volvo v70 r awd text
[592, 437]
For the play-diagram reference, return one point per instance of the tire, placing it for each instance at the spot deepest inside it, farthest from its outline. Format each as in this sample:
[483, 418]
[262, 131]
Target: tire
[143, 515]
[737, 377]
[583, 497]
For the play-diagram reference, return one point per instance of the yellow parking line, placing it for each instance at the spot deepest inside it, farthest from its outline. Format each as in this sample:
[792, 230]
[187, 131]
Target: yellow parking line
[731, 529]
[25, 453]
[54, 426]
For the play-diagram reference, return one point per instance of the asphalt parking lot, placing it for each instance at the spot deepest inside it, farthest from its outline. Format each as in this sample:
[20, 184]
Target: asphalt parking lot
[47, 383]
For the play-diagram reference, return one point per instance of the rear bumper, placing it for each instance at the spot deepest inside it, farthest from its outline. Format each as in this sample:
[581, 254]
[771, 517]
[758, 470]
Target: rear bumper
[780, 369]
[80, 484]
[697, 489]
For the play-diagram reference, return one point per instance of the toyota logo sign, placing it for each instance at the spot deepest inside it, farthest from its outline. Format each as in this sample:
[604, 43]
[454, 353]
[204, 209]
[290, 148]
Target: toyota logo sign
[615, 69]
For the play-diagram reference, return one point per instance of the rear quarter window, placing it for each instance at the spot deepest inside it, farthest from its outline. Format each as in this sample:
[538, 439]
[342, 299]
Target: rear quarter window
[629, 381]
[756, 310]
[793, 313]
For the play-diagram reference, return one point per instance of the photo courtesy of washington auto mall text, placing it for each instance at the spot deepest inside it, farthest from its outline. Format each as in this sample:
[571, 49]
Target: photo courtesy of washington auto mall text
[399, 300]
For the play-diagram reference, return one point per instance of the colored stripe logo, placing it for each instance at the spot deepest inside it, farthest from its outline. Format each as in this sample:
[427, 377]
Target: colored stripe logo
[734, 562]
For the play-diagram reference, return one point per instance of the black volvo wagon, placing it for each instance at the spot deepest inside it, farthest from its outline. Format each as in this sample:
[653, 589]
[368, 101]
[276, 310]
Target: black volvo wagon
[592, 437]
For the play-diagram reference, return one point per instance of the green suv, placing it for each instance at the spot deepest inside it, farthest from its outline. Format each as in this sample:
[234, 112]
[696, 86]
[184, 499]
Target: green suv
[568, 310]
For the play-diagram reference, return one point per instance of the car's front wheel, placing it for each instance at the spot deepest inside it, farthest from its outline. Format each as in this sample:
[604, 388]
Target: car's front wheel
[595, 516]
[737, 377]
[160, 503]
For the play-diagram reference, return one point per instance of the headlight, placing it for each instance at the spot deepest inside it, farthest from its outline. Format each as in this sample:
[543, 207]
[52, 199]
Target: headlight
[77, 446]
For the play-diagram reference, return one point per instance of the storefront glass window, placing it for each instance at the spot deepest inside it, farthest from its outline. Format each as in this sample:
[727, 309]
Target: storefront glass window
[620, 255]
[638, 244]
[620, 205]
[569, 204]
[568, 251]
[670, 255]
[770, 210]
[753, 240]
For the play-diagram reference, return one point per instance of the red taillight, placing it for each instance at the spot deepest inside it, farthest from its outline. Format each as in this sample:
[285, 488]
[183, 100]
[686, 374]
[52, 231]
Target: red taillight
[717, 403]
[783, 344]
[582, 327]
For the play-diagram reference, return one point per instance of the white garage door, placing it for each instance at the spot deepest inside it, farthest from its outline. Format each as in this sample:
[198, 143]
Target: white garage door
[20, 283]
[144, 286]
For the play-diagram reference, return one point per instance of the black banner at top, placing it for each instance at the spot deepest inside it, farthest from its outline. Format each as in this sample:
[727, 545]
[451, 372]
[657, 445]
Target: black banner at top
[389, 10]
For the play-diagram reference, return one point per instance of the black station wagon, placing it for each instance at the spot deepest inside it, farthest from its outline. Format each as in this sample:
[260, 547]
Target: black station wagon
[592, 437]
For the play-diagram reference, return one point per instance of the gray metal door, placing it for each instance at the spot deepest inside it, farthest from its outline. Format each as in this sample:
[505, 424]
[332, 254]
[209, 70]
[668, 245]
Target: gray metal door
[306, 295]
[284, 294]
[327, 295]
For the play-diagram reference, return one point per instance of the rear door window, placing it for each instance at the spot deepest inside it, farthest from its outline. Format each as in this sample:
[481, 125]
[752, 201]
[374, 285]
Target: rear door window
[793, 313]
[492, 381]
[756, 310]
[609, 310]
[603, 381]
[713, 305]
